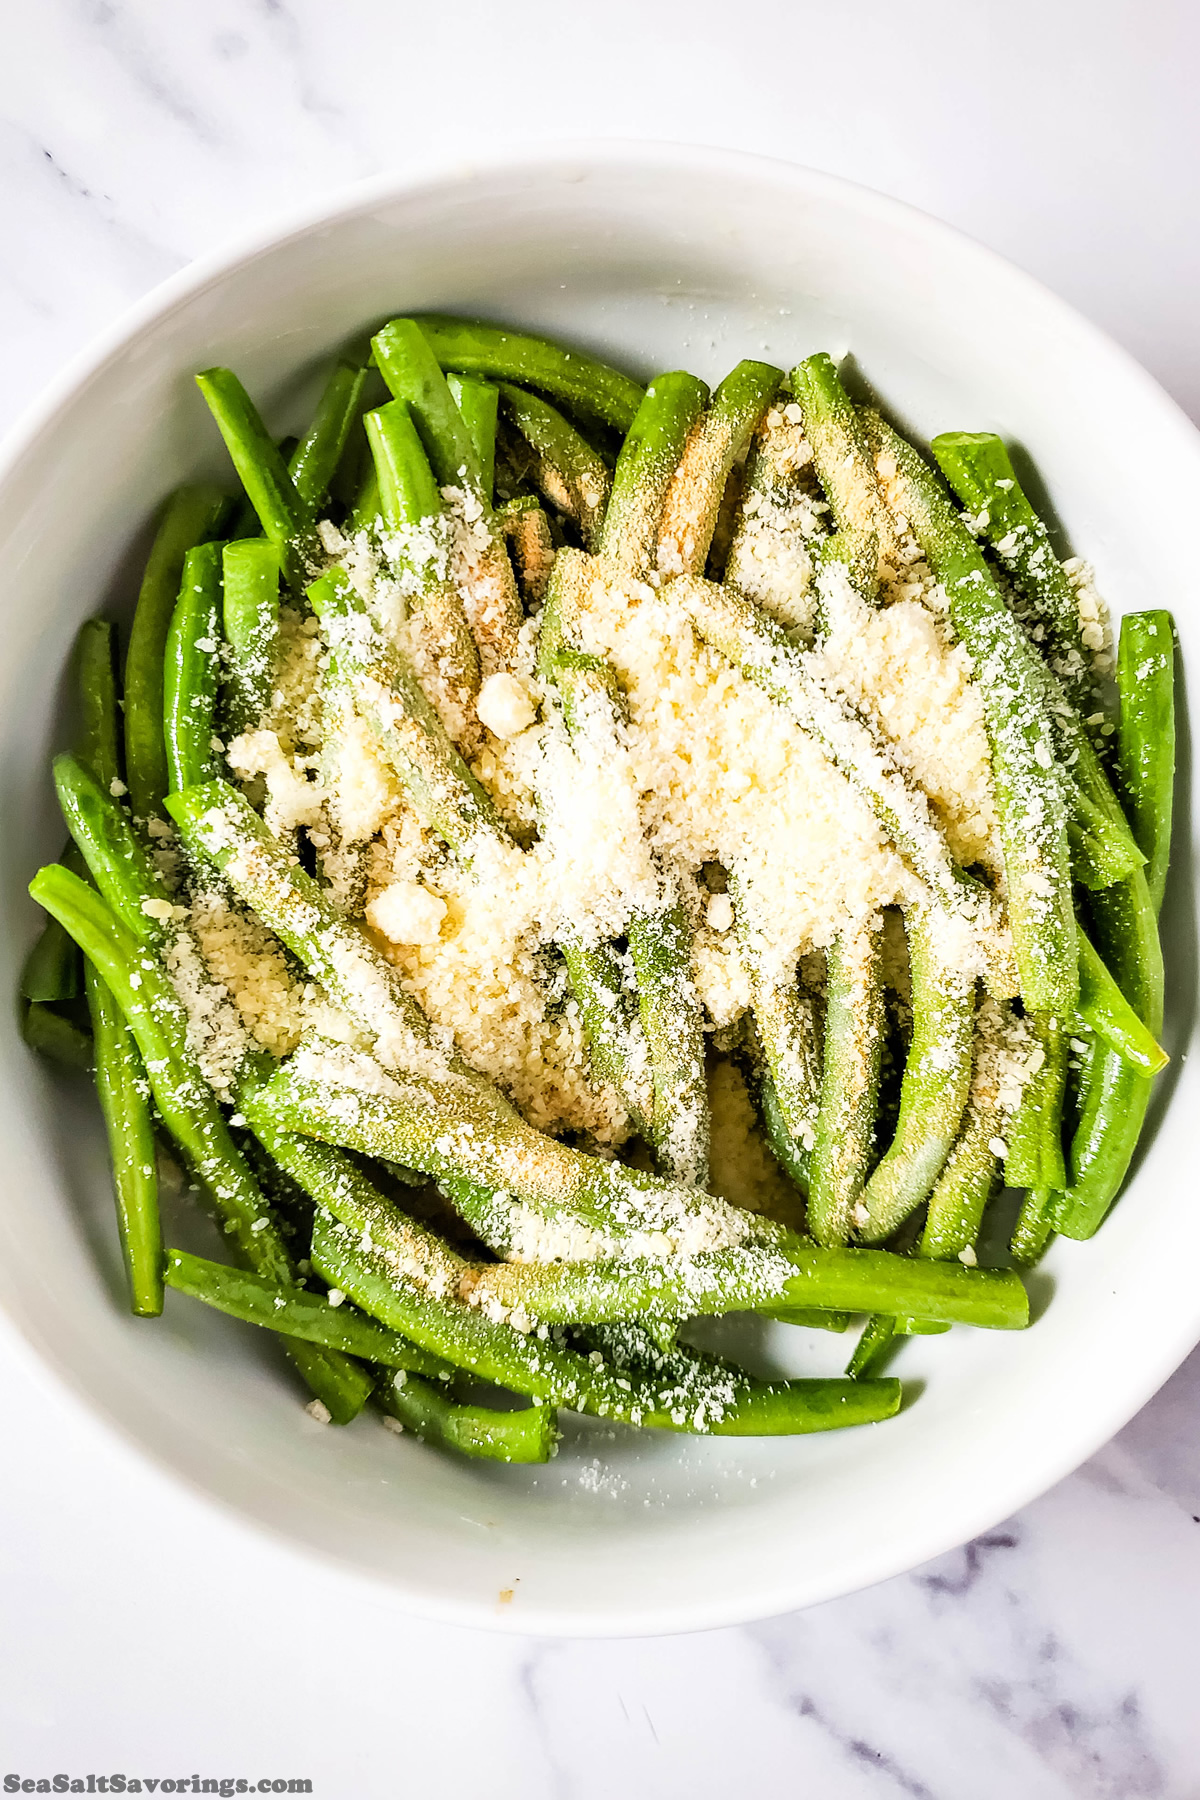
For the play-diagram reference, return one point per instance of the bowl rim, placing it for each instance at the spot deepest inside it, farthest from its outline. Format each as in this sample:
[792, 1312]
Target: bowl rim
[444, 174]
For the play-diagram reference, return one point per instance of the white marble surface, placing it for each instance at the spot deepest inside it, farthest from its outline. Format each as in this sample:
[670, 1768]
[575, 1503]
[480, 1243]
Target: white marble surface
[1053, 1657]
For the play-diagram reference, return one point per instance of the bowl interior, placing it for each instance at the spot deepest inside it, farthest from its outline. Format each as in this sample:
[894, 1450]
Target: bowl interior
[657, 259]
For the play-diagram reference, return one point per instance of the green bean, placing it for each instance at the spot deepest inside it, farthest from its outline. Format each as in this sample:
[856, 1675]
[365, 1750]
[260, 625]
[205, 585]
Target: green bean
[397, 1274]
[793, 1156]
[408, 493]
[660, 944]
[660, 948]
[192, 516]
[220, 826]
[184, 1099]
[365, 513]
[121, 1083]
[55, 1037]
[1104, 1008]
[612, 1026]
[809, 1318]
[796, 1277]
[111, 850]
[250, 616]
[962, 1191]
[314, 461]
[1027, 784]
[1146, 743]
[189, 1109]
[761, 649]
[409, 499]
[478, 402]
[190, 670]
[565, 469]
[833, 426]
[785, 1024]
[716, 442]
[412, 372]
[1035, 1225]
[878, 1338]
[451, 1127]
[410, 734]
[780, 1270]
[531, 546]
[778, 524]
[285, 517]
[51, 971]
[1116, 1097]
[971, 1174]
[527, 1436]
[292, 1313]
[1117, 1094]
[676, 1392]
[937, 1081]
[580, 381]
[650, 456]
[1103, 849]
[123, 1089]
[1034, 1135]
[978, 467]
[845, 1129]
[100, 712]
[339, 1383]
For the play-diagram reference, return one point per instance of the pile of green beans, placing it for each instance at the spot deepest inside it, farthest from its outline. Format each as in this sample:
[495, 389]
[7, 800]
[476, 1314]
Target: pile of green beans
[571, 472]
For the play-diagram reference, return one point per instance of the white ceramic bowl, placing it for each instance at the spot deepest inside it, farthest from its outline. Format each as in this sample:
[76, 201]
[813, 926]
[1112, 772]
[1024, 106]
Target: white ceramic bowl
[657, 257]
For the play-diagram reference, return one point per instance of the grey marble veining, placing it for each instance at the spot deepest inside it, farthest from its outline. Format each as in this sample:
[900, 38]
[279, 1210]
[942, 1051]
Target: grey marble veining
[1050, 1659]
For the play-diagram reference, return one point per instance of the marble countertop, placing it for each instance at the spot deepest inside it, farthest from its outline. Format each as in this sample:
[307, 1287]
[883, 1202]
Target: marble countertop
[144, 1632]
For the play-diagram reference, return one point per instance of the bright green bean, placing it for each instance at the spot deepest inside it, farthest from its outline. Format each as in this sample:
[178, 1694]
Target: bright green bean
[285, 517]
[293, 1313]
[660, 944]
[526, 1436]
[192, 516]
[408, 493]
[833, 427]
[250, 616]
[677, 1391]
[113, 853]
[411, 735]
[845, 1129]
[1033, 1137]
[190, 1112]
[761, 649]
[786, 1030]
[572, 476]
[1035, 1225]
[978, 467]
[1028, 785]
[1146, 741]
[314, 461]
[55, 1037]
[190, 670]
[1104, 1008]
[937, 1081]
[962, 1191]
[408, 499]
[580, 381]
[412, 372]
[718, 439]
[616, 1043]
[650, 456]
[122, 1086]
[479, 402]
